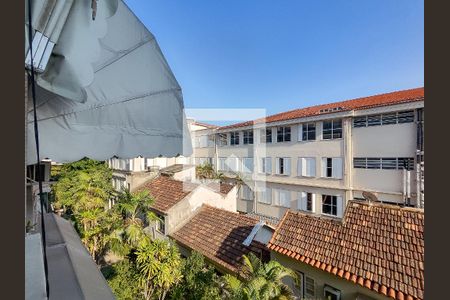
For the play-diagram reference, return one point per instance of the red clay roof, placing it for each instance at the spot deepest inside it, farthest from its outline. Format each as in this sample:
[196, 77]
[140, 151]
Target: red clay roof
[377, 246]
[223, 188]
[205, 125]
[398, 97]
[167, 192]
[218, 235]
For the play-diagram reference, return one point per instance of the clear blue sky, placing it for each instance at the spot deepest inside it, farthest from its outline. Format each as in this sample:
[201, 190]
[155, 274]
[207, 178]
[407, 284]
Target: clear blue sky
[282, 55]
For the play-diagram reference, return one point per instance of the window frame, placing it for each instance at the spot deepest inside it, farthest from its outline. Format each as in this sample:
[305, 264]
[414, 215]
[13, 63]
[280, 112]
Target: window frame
[306, 131]
[245, 169]
[333, 130]
[284, 165]
[234, 138]
[285, 133]
[248, 137]
[333, 198]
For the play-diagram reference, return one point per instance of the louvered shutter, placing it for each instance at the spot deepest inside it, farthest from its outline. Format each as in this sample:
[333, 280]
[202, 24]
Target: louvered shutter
[337, 167]
[299, 166]
[324, 167]
[340, 206]
[287, 166]
[268, 161]
[303, 199]
[300, 132]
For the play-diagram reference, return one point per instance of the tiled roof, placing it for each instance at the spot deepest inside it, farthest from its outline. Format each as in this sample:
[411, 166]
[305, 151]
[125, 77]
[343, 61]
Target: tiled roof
[218, 235]
[398, 97]
[377, 246]
[167, 192]
[224, 188]
[211, 126]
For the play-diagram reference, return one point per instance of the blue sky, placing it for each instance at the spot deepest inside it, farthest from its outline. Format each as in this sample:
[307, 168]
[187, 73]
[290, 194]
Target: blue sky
[282, 55]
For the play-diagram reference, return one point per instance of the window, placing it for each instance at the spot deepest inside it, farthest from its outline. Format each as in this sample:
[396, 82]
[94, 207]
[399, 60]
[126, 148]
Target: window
[373, 163]
[384, 119]
[360, 121]
[309, 287]
[331, 293]
[283, 134]
[306, 166]
[266, 196]
[332, 205]
[234, 138]
[374, 120]
[283, 165]
[389, 163]
[387, 119]
[211, 140]
[160, 224]
[266, 135]
[247, 165]
[360, 162]
[332, 129]
[307, 132]
[405, 116]
[306, 201]
[282, 198]
[385, 163]
[266, 165]
[332, 167]
[248, 137]
[223, 139]
[222, 164]
[405, 163]
[247, 193]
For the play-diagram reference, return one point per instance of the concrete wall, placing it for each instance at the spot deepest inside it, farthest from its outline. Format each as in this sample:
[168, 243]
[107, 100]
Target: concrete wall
[349, 290]
[181, 212]
[187, 174]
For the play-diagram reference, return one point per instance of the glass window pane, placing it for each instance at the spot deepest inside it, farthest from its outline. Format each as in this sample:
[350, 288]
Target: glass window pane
[374, 120]
[389, 163]
[388, 119]
[405, 116]
[373, 163]
[360, 122]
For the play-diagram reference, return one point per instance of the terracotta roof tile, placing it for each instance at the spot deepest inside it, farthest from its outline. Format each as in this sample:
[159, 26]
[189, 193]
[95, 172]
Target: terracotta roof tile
[167, 192]
[376, 245]
[393, 98]
[218, 235]
[224, 188]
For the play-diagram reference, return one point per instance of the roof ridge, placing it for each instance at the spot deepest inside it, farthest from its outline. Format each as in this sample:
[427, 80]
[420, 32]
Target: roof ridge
[386, 205]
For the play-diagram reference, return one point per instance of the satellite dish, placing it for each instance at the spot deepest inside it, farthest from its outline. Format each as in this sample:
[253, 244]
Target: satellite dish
[371, 197]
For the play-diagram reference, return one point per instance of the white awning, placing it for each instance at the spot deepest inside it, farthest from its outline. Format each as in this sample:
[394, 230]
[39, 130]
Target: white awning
[133, 106]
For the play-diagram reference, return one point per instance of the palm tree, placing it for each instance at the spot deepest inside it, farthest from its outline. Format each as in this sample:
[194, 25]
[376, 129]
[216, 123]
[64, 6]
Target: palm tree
[159, 266]
[134, 208]
[260, 281]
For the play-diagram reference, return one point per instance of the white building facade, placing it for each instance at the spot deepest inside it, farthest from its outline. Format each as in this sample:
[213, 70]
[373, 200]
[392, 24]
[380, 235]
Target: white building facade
[316, 159]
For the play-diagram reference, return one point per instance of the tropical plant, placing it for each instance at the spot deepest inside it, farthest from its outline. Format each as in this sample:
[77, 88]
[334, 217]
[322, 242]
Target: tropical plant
[122, 278]
[199, 282]
[159, 268]
[83, 191]
[205, 171]
[134, 209]
[260, 281]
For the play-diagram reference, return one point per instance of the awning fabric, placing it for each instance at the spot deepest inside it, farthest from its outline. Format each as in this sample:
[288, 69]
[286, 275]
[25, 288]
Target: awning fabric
[133, 106]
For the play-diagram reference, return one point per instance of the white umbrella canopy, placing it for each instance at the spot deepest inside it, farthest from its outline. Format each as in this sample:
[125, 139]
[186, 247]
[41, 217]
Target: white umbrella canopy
[133, 106]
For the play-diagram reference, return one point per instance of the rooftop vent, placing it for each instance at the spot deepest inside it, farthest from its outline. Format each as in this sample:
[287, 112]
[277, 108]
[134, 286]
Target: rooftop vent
[331, 109]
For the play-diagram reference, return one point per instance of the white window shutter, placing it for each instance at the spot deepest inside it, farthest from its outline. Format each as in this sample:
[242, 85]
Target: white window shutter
[303, 200]
[269, 165]
[287, 166]
[311, 167]
[268, 195]
[276, 198]
[324, 167]
[340, 206]
[300, 132]
[299, 166]
[337, 167]
[305, 171]
[277, 165]
[313, 198]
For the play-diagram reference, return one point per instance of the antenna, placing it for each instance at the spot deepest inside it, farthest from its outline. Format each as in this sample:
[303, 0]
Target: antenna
[371, 197]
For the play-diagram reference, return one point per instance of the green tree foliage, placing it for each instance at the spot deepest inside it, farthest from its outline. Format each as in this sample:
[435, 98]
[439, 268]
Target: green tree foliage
[83, 191]
[199, 282]
[206, 171]
[134, 211]
[159, 268]
[260, 281]
[123, 280]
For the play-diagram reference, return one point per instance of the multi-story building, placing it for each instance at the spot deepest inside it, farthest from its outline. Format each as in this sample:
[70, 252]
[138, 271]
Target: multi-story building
[317, 158]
